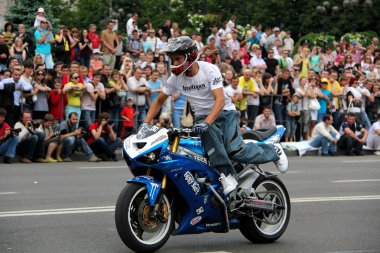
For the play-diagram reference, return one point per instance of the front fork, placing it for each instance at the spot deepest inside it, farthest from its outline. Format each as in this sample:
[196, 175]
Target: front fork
[157, 206]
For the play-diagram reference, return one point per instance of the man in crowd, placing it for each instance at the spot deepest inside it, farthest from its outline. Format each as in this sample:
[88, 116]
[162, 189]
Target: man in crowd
[265, 119]
[11, 90]
[373, 140]
[353, 136]
[109, 44]
[44, 38]
[73, 139]
[284, 92]
[31, 146]
[94, 37]
[324, 135]
[272, 63]
[103, 140]
[8, 139]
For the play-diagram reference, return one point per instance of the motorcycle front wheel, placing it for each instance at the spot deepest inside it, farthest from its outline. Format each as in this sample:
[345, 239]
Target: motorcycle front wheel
[268, 226]
[136, 227]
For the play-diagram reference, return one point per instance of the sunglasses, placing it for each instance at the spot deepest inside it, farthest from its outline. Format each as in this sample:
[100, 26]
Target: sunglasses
[40, 74]
[75, 77]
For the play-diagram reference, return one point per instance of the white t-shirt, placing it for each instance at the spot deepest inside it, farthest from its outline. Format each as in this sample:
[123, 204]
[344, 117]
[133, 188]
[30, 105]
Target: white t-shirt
[251, 100]
[86, 101]
[372, 131]
[231, 91]
[133, 84]
[131, 27]
[198, 89]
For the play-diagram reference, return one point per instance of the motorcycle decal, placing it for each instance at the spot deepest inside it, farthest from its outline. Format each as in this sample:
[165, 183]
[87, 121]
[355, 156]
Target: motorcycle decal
[201, 159]
[153, 187]
[213, 224]
[200, 210]
[191, 181]
[195, 220]
[167, 158]
[205, 199]
[174, 170]
[159, 138]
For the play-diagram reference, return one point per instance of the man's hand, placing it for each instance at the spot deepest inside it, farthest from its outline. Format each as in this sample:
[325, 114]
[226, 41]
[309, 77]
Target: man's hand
[200, 128]
[335, 141]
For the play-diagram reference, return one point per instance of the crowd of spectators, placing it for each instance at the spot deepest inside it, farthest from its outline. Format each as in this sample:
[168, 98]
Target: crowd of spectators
[80, 90]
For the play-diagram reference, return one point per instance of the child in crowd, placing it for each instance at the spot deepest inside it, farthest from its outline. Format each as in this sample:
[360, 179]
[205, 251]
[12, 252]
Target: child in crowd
[292, 114]
[96, 63]
[41, 17]
[57, 101]
[128, 113]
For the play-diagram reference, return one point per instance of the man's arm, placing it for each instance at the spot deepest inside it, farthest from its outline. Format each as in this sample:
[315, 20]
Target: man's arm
[217, 107]
[155, 107]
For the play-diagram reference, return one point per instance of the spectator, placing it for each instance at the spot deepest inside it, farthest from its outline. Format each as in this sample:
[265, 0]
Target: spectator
[288, 43]
[74, 45]
[233, 44]
[41, 91]
[247, 86]
[127, 115]
[28, 42]
[215, 35]
[31, 145]
[266, 119]
[109, 43]
[270, 43]
[4, 53]
[17, 51]
[43, 39]
[9, 34]
[293, 112]
[324, 100]
[85, 48]
[285, 91]
[268, 89]
[11, 92]
[313, 93]
[155, 86]
[132, 24]
[27, 97]
[236, 62]
[272, 64]
[257, 62]
[145, 43]
[235, 91]
[52, 140]
[103, 140]
[95, 38]
[373, 140]
[73, 138]
[324, 135]
[62, 47]
[137, 88]
[353, 136]
[222, 49]
[113, 95]
[57, 101]
[8, 139]
[93, 90]
[73, 90]
[96, 63]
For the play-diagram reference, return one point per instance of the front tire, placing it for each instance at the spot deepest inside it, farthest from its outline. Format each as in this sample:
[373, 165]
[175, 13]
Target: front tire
[136, 229]
[270, 225]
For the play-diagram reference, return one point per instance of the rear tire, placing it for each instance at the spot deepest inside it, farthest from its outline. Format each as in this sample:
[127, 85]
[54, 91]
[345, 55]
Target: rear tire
[274, 223]
[136, 229]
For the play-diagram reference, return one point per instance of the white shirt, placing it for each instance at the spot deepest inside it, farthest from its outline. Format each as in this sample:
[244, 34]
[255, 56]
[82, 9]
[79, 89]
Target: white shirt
[133, 84]
[233, 45]
[372, 131]
[216, 37]
[198, 89]
[87, 103]
[322, 129]
[154, 42]
[231, 91]
[131, 27]
[256, 61]
[17, 93]
[230, 26]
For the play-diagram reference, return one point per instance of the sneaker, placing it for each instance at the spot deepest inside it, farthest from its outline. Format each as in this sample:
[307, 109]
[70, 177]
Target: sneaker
[377, 153]
[67, 159]
[94, 158]
[25, 160]
[41, 160]
[50, 159]
[282, 163]
[7, 160]
[59, 159]
[229, 183]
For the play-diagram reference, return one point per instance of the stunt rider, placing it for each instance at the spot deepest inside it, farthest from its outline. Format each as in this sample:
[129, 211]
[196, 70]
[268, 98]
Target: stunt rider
[216, 118]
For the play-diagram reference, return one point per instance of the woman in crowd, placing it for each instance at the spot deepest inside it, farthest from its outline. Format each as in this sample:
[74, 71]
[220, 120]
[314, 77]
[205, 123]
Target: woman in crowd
[42, 92]
[37, 60]
[74, 90]
[314, 59]
[52, 140]
[313, 93]
[74, 45]
[85, 49]
[115, 85]
[9, 34]
[62, 48]
[267, 90]
[17, 51]
[301, 91]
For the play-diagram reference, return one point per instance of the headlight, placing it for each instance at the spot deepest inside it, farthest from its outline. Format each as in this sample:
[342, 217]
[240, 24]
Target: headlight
[151, 156]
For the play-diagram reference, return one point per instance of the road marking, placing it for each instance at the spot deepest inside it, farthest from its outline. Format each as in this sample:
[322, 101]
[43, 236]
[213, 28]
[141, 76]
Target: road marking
[102, 167]
[101, 209]
[354, 251]
[7, 193]
[362, 161]
[344, 198]
[288, 172]
[356, 181]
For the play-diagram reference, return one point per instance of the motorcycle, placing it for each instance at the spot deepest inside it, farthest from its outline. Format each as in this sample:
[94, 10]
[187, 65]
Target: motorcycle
[175, 191]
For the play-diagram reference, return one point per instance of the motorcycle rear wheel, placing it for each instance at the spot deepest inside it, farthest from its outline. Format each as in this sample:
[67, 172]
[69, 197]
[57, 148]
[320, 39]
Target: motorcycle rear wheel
[136, 229]
[271, 225]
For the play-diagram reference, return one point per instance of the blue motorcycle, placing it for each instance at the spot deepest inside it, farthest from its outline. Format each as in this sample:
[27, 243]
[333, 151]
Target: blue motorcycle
[175, 191]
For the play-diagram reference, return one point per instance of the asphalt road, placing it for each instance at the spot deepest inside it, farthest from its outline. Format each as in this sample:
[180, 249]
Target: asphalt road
[68, 207]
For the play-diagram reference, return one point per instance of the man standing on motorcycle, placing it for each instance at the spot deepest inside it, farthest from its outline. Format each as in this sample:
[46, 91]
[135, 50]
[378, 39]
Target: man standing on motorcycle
[216, 118]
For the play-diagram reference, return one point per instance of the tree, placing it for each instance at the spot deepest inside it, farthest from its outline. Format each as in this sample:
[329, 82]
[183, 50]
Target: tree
[24, 12]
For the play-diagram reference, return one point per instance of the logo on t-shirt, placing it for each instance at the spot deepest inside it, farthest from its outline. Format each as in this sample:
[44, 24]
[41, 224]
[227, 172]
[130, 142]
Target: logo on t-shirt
[216, 80]
[194, 87]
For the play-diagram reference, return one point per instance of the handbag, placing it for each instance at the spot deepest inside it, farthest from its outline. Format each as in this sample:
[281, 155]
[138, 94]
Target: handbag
[314, 104]
[187, 117]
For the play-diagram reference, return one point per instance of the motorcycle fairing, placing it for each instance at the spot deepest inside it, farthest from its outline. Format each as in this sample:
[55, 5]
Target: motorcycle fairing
[153, 187]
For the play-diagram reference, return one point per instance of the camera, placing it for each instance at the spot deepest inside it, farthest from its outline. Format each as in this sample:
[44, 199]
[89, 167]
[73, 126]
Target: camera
[110, 122]
[59, 133]
[35, 124]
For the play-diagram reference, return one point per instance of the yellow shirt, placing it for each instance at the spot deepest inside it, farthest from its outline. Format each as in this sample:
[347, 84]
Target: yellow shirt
[337, 89]
[246, 86]
[73, 96]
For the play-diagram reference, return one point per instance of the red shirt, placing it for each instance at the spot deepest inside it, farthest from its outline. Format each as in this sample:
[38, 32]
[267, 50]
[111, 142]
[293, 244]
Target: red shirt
[94, 126]
[57, 104]
[95, 40]
[128, 112]
[2, 130]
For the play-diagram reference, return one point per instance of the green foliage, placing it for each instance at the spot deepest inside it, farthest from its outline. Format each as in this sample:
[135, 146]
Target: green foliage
[24, 12]
[316, 39]
[363, 38]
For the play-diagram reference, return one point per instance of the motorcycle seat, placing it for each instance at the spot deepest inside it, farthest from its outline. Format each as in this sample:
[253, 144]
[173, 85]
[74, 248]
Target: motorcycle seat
[260, 134]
